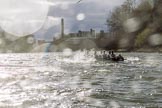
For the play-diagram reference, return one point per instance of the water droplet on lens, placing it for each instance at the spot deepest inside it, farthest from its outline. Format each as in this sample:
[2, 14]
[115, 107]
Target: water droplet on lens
[64, 6]
[140, 76]
[80, 16]
[136, 87]
[30, 40]
[123, 43]
[132, 25]
[9, 51]
[114, 104]
[1, 41]
[67, 52]
[155, 40]
[21, 18]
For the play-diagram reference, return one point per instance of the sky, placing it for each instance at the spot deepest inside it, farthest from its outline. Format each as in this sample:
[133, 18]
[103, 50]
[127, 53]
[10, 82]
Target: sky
[42, 18]
[83, 16]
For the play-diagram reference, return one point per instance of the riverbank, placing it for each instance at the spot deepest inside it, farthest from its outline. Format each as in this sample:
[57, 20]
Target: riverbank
[142, 50]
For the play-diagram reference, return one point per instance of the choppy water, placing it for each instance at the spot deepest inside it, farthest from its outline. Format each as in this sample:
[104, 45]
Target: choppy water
[79, 81]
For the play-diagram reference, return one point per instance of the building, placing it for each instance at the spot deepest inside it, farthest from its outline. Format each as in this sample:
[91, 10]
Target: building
[88, 34]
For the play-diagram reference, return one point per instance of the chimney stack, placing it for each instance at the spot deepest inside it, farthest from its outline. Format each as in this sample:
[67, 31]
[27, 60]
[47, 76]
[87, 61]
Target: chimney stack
[62, 27]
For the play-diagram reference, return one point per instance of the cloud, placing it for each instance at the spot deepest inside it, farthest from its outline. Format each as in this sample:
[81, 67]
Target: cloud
[51, 21]
[50, 27]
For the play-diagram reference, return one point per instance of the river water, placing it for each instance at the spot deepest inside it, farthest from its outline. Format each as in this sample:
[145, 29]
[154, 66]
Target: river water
[78, 80]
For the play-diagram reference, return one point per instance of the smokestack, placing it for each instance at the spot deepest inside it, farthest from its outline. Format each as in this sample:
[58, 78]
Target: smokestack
[62, 27]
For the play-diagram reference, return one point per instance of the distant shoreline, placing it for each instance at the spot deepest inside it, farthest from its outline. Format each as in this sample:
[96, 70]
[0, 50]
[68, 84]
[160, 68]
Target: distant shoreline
[142, 50]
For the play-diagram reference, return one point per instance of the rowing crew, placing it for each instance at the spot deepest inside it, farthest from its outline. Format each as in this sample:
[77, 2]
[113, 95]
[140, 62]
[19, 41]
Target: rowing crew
[109, 56]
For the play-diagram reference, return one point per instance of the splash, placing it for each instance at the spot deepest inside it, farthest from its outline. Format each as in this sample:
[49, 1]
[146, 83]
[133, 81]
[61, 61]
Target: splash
[133, 58]
[78, 57]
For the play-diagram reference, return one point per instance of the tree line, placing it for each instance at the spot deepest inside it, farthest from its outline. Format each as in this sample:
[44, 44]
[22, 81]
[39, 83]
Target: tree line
[136, 24]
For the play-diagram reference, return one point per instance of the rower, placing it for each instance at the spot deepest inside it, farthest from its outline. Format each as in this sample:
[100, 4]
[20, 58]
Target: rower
[120, 58]
[104, 55]
[113, 55]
